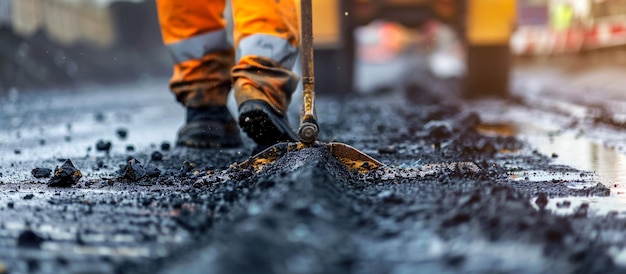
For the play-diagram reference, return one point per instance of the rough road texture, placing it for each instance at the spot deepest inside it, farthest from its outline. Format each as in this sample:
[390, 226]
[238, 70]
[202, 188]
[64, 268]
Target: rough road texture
[449, 200]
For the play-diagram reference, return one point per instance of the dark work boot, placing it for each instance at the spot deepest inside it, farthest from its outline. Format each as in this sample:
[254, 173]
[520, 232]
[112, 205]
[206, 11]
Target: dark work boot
[264, 125]
[209, 127]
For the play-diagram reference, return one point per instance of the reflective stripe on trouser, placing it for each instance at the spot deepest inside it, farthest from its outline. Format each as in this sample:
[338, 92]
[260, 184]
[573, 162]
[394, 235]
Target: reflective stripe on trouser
[265, 63]
[274, 83]
[194, 33]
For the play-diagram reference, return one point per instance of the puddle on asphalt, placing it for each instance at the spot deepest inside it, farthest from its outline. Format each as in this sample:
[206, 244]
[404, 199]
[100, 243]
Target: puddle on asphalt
[608, 167]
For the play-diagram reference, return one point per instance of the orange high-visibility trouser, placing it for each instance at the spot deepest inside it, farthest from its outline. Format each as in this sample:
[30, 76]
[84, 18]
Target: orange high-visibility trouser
[266, 38]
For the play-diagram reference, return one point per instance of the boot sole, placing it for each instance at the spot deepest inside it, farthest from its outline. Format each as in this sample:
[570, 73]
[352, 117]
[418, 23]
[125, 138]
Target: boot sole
[263, 125]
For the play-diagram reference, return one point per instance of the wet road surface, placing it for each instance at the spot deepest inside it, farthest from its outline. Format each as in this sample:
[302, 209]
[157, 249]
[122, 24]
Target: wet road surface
[457, 195]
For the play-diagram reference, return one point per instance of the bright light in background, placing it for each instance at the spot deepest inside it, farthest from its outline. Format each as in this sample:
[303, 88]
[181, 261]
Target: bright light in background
[568, 26]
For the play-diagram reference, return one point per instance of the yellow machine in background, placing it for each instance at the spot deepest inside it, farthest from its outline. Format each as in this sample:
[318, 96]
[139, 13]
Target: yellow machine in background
[490, 22]
[485, 27]
[489, 25]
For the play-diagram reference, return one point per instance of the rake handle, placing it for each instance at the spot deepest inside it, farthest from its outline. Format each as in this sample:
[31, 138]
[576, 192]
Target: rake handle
[308, 130]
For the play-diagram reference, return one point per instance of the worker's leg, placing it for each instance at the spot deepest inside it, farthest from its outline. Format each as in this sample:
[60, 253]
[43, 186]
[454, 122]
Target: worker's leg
[194, 32]
[266, 40]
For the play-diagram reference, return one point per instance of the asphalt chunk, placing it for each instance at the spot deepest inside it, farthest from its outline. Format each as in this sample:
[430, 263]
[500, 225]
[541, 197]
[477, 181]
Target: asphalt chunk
[439, 129]
[387, 150]
[102, 145]
[41, 172]
[65, 176]
[165, 146]
[122, 133]
[542, 200]
[186, 167]
[29, 239]
[156, 156]
[135, 170]
[564, 204]
[581, 211]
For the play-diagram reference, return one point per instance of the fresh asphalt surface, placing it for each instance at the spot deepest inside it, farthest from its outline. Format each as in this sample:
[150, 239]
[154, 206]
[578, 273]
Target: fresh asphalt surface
[452, 198]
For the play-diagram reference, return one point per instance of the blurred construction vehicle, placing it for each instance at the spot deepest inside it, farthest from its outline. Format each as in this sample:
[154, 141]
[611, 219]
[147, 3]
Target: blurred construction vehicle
[484, 27]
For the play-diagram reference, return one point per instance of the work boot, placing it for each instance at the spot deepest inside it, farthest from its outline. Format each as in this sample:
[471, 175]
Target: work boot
[263, 124]
[209, 127]
[263, 91]
[209, 123]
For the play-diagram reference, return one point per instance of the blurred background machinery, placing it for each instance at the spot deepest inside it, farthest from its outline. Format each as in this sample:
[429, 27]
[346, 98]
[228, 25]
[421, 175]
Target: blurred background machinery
[474, 42]
[47, 43]
[479, 29]
[50, 43]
